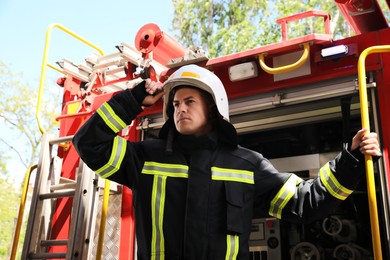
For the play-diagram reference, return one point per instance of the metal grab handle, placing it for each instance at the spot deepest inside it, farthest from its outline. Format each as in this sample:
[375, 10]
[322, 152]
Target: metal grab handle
[368, 158]
[21, 210]
[45, 63]
[295, 65]
[102, 228]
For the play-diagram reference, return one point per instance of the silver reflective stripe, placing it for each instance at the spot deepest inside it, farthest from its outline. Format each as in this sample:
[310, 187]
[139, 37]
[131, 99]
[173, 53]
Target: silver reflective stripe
[232, 246]
[117, 154]
[332, 185]
[283, 196]
[110, 118]
[225, 174]
[158, 201]
[165, 169]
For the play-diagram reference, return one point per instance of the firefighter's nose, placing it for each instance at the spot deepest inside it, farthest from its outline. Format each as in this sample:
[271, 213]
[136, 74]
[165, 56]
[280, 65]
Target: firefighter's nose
[181, 107]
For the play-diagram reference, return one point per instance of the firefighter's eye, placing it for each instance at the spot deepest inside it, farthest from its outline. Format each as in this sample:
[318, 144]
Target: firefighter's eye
[190, 101]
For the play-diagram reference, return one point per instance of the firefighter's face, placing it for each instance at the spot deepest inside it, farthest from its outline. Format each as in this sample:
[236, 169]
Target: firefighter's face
[190, 112]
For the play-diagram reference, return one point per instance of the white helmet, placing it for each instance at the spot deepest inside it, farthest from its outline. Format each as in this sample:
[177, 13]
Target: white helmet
[199, 77]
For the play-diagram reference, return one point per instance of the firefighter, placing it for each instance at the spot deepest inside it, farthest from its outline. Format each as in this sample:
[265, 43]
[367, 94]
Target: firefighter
[194, 187]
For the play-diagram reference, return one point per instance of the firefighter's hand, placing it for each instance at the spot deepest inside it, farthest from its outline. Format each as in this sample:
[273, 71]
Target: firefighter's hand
[366, 142]
[155, 92]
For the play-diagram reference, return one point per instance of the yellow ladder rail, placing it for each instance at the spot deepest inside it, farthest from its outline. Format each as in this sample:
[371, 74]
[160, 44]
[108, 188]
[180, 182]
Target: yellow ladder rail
[46, 64]
[21, 210]
[368, 158]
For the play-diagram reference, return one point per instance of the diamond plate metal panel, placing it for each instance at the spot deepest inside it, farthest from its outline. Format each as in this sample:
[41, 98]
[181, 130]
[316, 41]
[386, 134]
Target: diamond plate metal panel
[112, 229]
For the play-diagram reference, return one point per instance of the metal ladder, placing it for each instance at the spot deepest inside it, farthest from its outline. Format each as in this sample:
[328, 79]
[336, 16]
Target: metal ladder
[48, 188]
[108, 68]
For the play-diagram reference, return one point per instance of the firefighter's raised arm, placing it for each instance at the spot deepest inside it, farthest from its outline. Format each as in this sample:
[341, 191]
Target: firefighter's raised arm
[149, 92]
[367, 143]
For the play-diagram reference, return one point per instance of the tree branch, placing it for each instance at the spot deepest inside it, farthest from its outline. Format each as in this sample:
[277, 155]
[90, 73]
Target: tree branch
[8, 121]
[16, 151]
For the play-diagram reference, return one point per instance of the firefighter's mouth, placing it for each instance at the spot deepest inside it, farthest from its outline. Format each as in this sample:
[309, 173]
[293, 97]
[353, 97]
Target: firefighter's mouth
[182, 119]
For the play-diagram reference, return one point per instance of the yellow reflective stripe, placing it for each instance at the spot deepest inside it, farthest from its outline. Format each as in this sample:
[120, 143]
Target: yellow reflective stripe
[283, 196]
[158, 203]
[110, 118]
[117, 154]
[332, 185]
[161, 172]
[232, 247]
[165, 169]
[190, 74]
[225, 174]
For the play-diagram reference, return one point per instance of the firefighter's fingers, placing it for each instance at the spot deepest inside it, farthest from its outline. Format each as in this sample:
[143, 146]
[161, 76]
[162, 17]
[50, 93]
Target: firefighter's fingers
[369, 139]
[152, 99]
[153, 87]
[356, 140]
[370, 145]
[371, 150]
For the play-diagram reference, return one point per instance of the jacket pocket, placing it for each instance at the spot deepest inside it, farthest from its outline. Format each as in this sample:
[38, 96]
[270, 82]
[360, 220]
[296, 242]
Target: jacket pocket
[234, 207]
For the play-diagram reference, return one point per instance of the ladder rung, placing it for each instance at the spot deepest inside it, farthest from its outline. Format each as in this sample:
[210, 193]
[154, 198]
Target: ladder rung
[66, 180]
[92, 58]
[107, 58]
[62, 139]
[130, 53]
[46, 255]
[53, 195]
[63, 186]
[86, 68]
[119, 69]
[108, 64]
[72, 69]
[59, 242]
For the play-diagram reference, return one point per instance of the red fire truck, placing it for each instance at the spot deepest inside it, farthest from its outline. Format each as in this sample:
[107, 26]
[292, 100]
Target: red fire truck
[295, 101]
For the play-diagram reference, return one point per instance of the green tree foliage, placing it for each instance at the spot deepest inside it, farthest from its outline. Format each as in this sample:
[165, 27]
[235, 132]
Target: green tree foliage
[9, 205]
[21, 136]
[223, 27]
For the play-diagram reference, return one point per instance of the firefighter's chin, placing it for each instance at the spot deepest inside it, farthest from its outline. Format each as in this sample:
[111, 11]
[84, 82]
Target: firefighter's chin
[185, 127]
[189, 127]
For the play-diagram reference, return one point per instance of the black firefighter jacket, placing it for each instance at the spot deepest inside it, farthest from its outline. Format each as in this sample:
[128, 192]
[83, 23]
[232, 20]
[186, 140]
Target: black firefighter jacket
[196, 200]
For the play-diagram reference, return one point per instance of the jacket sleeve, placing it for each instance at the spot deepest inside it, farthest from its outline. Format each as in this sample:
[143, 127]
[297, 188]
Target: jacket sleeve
[305, 201]
[102, 149]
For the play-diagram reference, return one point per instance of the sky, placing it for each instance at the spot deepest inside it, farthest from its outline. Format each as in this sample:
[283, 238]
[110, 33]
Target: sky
[24, 24]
